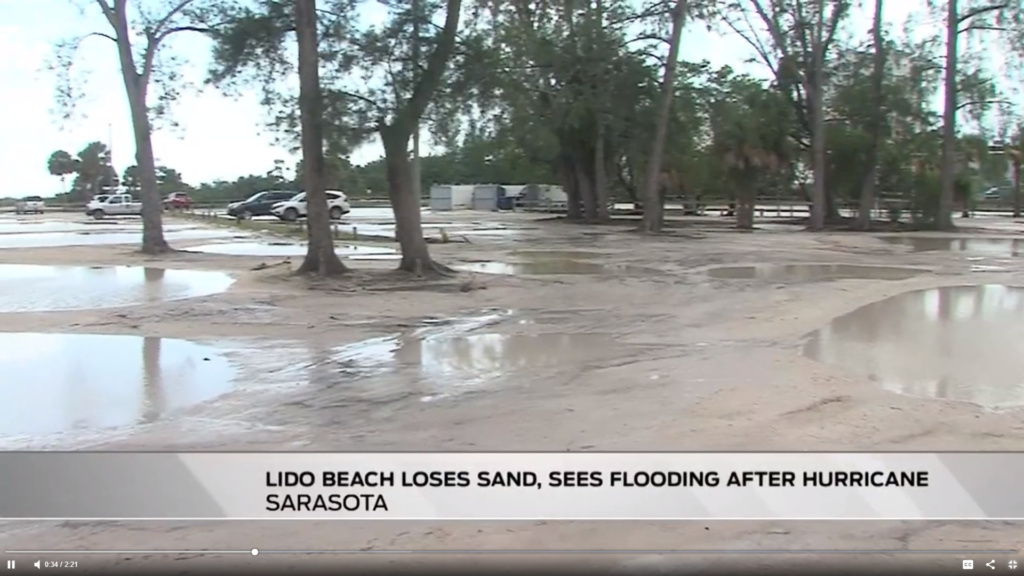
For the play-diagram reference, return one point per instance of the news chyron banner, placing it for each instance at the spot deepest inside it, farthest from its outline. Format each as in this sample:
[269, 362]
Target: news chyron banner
[511, 486]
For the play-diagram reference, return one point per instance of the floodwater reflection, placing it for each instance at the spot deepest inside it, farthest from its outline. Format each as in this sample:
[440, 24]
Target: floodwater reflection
[958, 343]
[59, 383]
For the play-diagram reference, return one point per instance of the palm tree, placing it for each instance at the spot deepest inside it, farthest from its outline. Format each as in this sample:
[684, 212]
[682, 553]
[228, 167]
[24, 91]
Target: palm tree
[751, 140]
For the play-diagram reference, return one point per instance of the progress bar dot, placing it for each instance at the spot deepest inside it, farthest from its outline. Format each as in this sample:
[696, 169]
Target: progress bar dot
[255, 551]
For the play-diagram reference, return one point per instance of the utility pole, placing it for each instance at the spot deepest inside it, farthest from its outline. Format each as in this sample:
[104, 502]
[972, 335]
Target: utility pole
[110, 150]
[416, 175]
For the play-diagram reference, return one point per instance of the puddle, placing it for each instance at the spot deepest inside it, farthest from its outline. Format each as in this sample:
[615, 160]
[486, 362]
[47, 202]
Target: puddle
[443, 365]
[29, 288]
[957, 343]
[61, 383]
[812, 272]
[551, 267]
[352, 251]
[779, 227]
[88, 227]
[988, 246]
[557, 254]
[55, 239]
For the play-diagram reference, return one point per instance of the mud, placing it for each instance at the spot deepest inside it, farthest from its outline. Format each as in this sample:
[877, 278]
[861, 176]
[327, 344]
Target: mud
[676, 361]
[956, 343]
[352, 251]
[34, 288]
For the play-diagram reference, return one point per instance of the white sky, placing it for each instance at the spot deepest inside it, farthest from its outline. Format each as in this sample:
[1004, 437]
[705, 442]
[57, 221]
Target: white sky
[217, 138]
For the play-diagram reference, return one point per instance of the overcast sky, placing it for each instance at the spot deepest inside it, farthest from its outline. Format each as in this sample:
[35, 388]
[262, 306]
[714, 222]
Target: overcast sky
[218, 137]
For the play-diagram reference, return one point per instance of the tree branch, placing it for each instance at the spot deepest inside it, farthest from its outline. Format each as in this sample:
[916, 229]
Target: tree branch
[158, 29]
[100, 34]
[981, 102]
[436, 64]
[981, 10]
[153, 46]
[981, 27]
[108, 11]
[369, 101]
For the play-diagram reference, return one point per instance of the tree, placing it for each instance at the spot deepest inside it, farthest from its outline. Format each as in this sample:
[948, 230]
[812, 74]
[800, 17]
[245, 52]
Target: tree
[320, 256]
[869, 187]
[570, 89]
[966, 17]
[391, 104]
[130, 178]
[653, 200]
[336, 172]
[169, 180]
[140, 71]
[794, 40]
[749, 126]
[61, 164]
[94, 172]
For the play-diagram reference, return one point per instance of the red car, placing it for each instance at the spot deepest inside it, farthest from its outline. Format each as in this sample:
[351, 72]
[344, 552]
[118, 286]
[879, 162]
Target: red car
[178, 201]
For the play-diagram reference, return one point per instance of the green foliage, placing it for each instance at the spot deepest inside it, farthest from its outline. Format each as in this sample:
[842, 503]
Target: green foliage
[369, 71]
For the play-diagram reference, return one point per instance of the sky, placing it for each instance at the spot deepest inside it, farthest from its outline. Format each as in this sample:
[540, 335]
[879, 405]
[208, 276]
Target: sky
[217, 137]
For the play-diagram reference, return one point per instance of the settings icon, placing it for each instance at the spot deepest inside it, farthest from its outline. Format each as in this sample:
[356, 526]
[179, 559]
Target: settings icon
[1012, 564]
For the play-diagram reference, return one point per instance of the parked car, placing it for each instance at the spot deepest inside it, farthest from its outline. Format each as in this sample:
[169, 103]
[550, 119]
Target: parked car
[178, 201]
[114, 205]
[295, 208]
[30, 205]
[258, 204]
[993, 194]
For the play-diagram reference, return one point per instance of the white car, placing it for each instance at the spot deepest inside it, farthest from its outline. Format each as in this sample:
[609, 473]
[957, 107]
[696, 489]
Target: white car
[295, 208]
[114, 205]
[30, 205]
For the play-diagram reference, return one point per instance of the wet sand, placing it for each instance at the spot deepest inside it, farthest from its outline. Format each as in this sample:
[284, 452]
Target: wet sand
[662, 357]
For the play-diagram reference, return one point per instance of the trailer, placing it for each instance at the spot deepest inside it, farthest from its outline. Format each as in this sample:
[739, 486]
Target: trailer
[447, 197]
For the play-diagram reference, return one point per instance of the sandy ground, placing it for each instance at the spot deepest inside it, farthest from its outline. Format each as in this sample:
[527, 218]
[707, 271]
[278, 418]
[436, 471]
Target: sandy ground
[687, 363]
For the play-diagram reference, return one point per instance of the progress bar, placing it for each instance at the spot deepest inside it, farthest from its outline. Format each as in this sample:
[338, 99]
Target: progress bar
[256, 551]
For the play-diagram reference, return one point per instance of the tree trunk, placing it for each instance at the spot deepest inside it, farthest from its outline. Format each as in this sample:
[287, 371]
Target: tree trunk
[815, 87]
[868, 190]
[153, 241]
[586, 189]
[600, 179]
[745, 201]
[320, 256]
[571, 185]
[654, 213]
[947, 175]
[406, 205]
[1016, 189]
[601, 176]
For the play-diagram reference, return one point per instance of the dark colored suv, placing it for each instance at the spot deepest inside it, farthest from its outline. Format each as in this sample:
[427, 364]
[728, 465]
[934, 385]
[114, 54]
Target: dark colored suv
[258, 204]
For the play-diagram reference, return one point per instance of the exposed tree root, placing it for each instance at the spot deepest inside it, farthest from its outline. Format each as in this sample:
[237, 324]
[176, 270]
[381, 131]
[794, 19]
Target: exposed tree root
[426, 268]
[323, 267]
[156, 248]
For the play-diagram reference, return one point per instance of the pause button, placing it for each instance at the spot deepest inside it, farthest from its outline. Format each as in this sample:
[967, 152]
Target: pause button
[10, 564]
